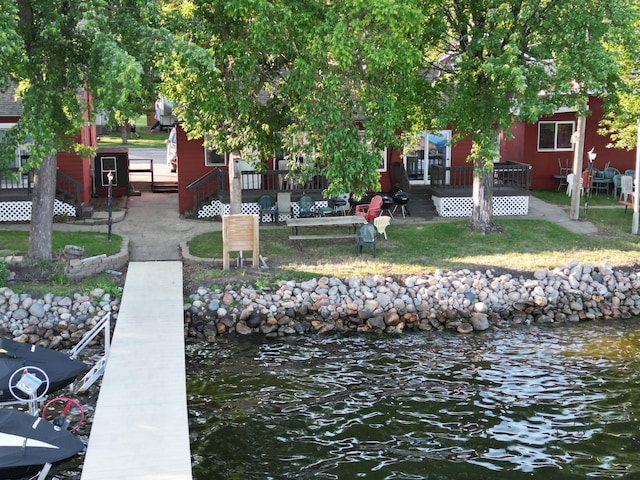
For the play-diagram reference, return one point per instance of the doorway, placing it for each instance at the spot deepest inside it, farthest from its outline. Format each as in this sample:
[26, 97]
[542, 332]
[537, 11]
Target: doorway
[429, 148]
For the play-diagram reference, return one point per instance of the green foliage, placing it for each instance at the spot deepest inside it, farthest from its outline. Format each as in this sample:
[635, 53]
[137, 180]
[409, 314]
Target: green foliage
[110, 286]
[69, 60]
[293, 76]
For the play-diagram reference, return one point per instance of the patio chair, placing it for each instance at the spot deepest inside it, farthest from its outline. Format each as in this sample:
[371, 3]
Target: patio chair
[341, 203]
[570, 178]
[617, 184]
[268, 207]
[366, 238]
[626, 187]
[381, 223]
[307, 207]
[284, 204]
[370, 210]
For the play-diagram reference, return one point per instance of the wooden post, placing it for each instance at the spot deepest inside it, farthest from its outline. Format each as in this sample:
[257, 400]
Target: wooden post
[636, 188]
[235, 186]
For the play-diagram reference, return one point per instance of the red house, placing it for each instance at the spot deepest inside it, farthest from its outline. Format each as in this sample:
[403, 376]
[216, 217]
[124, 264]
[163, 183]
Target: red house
[546, 145]
[74, 182]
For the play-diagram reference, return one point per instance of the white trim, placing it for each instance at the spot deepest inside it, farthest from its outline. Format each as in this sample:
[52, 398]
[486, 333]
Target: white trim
[383, 164]
[555, 147]
[207, 162]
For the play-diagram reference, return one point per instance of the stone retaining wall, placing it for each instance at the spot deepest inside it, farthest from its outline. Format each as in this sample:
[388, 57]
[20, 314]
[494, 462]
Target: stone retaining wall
[86, 267]
[464, 301]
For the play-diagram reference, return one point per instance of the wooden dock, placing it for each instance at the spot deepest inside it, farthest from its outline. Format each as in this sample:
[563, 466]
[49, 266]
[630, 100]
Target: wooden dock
[140, 429]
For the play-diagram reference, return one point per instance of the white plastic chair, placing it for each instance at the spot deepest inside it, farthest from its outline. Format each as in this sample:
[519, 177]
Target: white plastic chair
[570, 178]
[381, 223]
[626, 187]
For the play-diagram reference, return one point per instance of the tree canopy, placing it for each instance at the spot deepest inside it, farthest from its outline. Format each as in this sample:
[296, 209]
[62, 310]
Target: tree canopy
[55, 51]
[498, 62]
[297, 75]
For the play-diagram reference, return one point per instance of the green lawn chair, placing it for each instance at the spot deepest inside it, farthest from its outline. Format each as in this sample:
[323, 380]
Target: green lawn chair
[269, 208]
[366, 238]
[307, 207]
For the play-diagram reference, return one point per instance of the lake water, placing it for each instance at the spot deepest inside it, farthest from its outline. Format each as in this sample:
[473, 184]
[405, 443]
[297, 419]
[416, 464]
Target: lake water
[555, 402]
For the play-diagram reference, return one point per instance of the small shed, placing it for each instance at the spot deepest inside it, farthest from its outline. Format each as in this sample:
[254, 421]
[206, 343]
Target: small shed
[116, 161]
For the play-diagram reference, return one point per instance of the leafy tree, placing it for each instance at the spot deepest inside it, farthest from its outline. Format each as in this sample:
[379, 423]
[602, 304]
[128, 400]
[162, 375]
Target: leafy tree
[55, 51]
[296, 75]
[517, 60]
[623, 121]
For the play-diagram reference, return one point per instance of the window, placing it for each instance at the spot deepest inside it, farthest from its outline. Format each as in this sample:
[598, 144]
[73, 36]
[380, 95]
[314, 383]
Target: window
[213, 158]
[22, 150]
[383, 153]
[553, 136]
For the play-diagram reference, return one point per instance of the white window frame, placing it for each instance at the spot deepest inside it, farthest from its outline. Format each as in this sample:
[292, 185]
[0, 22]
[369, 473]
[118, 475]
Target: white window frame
[383, 154]
[555, 147]
[208, 162]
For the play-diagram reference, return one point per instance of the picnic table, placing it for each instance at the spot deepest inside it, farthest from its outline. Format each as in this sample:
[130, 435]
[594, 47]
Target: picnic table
[337, 221]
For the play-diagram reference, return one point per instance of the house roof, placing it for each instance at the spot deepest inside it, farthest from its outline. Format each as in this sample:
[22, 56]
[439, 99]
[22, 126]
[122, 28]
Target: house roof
[9, 106]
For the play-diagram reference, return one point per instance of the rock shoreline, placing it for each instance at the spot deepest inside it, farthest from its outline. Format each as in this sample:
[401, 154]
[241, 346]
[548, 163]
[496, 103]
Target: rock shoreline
[464, 301]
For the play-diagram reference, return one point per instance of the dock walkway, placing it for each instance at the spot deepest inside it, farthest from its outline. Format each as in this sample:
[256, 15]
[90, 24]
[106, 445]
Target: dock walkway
[140, 430]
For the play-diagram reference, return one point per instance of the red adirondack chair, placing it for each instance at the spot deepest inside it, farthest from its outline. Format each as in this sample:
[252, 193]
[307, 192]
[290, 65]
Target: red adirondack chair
[371, 210]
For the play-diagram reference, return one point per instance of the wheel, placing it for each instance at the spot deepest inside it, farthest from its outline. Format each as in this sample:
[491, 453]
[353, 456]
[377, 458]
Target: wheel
[28, 384]
[70, 413]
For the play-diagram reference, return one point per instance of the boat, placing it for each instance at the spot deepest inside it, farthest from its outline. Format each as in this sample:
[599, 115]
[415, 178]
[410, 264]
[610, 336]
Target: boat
[60, 369]
[28, 443]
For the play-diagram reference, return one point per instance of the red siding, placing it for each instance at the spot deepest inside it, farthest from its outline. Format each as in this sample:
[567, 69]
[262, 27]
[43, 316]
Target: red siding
[80, 168]
[545, 164]
[190, 167]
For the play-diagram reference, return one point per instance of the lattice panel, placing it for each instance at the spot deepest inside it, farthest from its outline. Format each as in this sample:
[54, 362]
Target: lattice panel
[217, 209]
[463, 206]
[20, 211]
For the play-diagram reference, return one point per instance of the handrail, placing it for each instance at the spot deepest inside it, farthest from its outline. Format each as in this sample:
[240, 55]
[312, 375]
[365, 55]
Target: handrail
[68, 187]
[205, 188]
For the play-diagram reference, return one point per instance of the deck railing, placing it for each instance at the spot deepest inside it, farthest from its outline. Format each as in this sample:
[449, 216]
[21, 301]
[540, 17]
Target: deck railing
[215, 184]
[68, 189]
[511, 174]
[16, 180]
[206, 188]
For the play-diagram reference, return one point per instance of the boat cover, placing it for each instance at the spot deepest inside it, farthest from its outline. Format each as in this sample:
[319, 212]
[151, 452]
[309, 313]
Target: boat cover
[28, 442]
[60, 369]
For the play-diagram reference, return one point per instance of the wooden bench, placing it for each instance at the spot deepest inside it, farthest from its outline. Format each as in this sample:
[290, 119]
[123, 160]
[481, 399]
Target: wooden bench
[321, 237]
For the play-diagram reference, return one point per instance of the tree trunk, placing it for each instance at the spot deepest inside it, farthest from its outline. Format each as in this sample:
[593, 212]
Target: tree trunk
[125, 132]
[482, 214]
[42, 203]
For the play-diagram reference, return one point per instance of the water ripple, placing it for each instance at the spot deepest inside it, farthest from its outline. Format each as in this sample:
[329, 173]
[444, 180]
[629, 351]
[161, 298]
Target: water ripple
[510, 404]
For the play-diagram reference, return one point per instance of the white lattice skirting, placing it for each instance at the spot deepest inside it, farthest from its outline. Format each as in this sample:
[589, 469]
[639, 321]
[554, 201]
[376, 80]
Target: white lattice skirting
[21, 211]
[463, 206]
[218, 209]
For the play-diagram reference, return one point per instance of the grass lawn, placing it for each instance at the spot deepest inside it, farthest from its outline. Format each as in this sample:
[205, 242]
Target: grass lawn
[16, 242]
[147, 139]
[412, 248]
[525, 246]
